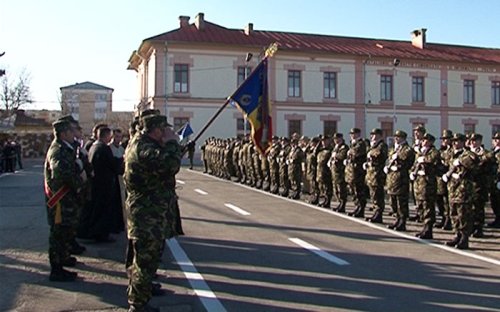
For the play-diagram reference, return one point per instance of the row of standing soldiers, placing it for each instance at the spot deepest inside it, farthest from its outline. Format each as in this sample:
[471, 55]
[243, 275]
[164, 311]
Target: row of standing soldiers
[457, 178]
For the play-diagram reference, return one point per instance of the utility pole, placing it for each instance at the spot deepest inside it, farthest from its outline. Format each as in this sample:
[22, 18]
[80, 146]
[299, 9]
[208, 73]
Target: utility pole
[2, 71]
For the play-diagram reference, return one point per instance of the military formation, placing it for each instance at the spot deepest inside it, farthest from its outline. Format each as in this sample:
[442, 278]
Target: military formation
[449, 184]
[152, 159]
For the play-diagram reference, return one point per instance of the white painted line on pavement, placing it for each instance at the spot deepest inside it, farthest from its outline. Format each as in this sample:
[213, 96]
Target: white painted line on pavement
[180, 182]
[323, 254]
[237, 209]
[200, 192]
[200, 287]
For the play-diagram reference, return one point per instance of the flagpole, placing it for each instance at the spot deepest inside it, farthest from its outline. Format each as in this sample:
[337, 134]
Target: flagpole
[268, 53]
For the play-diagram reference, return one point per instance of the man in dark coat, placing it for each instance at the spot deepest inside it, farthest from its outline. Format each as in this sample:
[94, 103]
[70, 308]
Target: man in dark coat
[97, 218]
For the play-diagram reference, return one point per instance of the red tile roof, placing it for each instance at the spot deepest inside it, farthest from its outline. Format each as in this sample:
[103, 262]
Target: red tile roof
[216, 34]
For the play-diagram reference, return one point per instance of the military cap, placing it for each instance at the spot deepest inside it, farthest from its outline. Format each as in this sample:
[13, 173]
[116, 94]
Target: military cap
[496, 136]
[458, 137]
[285, 139]
[447, 134]
[355, 130]
[275, 137]
[400, 134]
[476, 137]
[325, 137]
[155, 121]
[337, 135]
[149, 112]
[428, 136]
[376, 131]
[315, 139]
[61, 125]
[68, 118]
[420, 128]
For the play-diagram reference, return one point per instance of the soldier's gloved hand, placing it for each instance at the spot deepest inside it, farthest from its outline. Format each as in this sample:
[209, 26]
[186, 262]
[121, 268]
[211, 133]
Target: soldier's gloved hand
[445, 178]
[420, 159]
[365, 166]
[386, 169]
[412, 176]
[394, 156]
[498, 185]
[456, 162]
[345, 162]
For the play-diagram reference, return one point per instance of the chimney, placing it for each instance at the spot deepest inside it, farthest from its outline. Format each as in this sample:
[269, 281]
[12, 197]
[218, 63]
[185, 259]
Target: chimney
[184, 21]
[199, 21]
[249, 29]
[418, 38]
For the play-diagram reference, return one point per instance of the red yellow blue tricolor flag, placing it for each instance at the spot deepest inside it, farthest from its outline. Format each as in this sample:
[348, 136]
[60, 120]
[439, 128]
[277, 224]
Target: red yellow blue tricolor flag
[252, 99]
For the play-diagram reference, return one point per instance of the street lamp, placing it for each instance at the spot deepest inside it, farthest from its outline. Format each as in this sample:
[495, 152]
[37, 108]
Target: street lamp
[247, 60]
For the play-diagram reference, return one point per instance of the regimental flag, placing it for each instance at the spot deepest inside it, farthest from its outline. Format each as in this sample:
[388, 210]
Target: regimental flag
[252, 99]
[185, 131]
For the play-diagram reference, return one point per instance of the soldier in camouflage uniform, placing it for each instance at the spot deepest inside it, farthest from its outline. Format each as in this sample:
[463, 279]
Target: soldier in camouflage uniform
[423, 175]
[375, 175]
[284, 181]
[460, 191]
[274, 169]
[266, 180]
[446, 151]
[257, 165]
[399, 162]
[495, 185]
[323, 173]
[311, 167]
[294, 160]
[337, 168]
[62, 185]
[482, 179]
[355, 175]
[418, 133]
[151, 163]
[236, 159]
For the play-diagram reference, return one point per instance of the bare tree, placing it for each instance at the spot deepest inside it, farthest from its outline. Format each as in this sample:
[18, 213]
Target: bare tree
[15, 94]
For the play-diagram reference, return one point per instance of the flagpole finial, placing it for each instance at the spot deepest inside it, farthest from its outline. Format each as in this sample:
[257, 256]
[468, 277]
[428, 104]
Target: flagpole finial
[273, 47]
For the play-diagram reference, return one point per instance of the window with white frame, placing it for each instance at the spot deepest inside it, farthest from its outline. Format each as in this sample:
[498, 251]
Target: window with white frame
[386, 87]
[181, 82]
[240, 127]
[495, 93]
[101, 109]
[417, 90]
[294, 126]
[329, 127]
[330, 85]
[294, 89]
[494, 129]
[179, 122]
[469, 128]
[468, 91]
[243, 74]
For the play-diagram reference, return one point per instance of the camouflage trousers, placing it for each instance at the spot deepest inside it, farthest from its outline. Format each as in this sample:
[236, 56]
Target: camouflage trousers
[60, 238]
[428, 210]
[340, 190]
[461, 216]
[143, 259]
[399, 205]
[377, 197]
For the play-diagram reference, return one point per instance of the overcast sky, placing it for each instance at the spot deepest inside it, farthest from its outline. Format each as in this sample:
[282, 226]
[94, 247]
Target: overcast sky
[64, 42]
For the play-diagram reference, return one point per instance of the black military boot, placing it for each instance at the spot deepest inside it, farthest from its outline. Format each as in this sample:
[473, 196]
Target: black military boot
[75, 248]
[69, 262]
[478, 232]
[401, 227]
[463, 243]
[426, 232]
[360, 213]
[376, 218]
[58, 274]
[142, 308]
[340, 207]
[454, 241]
[393, 225]
[447, 224]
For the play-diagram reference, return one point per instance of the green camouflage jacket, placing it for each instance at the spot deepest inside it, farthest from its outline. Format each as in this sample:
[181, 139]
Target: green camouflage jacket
[150, 170]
